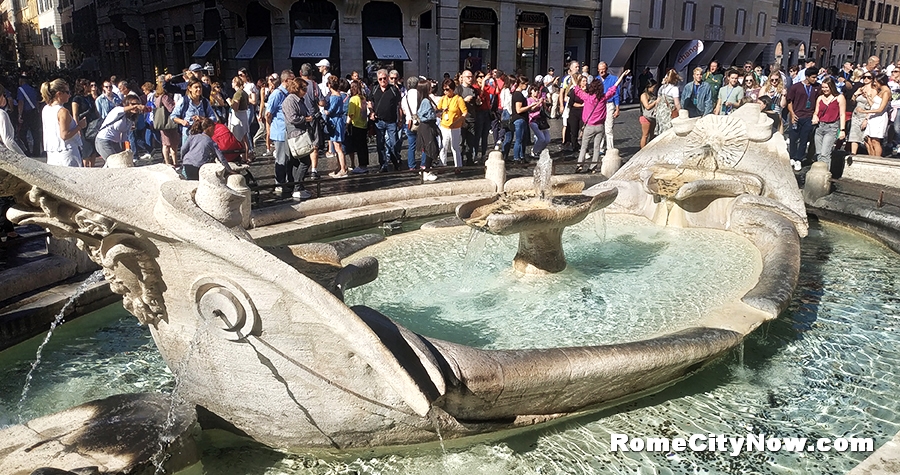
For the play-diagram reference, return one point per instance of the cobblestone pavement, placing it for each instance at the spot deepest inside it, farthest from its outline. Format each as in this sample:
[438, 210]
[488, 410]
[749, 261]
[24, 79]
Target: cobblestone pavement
[627, 133]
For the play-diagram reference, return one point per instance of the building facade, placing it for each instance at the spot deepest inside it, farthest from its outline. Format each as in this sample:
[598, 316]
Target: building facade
[879, 30]
[794, 29]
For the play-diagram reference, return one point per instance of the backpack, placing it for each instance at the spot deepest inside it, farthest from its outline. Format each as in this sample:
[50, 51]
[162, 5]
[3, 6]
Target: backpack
[162, 118]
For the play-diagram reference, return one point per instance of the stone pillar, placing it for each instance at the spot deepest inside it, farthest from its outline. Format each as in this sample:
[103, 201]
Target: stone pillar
[282, 40]
[506, 34]
[611, 163]
[448, 34]
[496, 169]
[818, 183]
[556, 39]
[351, 47]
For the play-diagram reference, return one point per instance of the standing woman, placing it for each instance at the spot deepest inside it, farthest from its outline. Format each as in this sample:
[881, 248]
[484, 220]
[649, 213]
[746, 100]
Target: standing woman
[218, 102]
[453, 114]
[62, 134]
[751, 87]
[239, 120]
[336, 114]
[504, 136]
[519, 119]
[829, 113]
[193, 106]
[536, 103]
[298, 120]
[117, 126]
[575, 105]
[359, 128]
[83, 108]
[860, 103]
[263, 133]
[595, 118]
[428, 128]
[875, 122]
[774, 88]
[169, 138]
[668, 103]
[649, 100]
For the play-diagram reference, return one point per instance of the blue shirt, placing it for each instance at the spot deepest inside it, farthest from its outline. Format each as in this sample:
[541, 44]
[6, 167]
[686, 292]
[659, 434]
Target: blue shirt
[32, 101]
[104, 105]
[609, 82]
[277, 130]
[187, 110]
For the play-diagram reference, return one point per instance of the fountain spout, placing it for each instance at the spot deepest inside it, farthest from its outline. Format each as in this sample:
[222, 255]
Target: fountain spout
[542, 174]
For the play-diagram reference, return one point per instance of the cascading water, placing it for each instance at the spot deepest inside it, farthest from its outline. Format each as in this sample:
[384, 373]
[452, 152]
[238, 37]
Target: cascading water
[97, 276]
[543, 171]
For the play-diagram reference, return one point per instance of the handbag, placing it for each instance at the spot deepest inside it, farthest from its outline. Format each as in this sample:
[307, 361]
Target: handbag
[328, 127]
[415, 117]
[541, 121]
[301, 145]
[93, 127]
[162, 118]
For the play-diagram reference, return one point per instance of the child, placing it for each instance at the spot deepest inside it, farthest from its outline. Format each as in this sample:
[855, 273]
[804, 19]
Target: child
[199, 149]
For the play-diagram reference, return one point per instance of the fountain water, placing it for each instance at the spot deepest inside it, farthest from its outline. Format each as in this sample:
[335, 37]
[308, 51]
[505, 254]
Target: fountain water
[97, 276]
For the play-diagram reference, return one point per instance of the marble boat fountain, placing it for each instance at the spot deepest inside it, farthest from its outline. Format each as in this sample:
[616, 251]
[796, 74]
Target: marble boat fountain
[261, 337]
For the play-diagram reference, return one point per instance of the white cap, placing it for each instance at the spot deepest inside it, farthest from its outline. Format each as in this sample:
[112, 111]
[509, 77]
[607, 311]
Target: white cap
[324, 62]
[539, 78]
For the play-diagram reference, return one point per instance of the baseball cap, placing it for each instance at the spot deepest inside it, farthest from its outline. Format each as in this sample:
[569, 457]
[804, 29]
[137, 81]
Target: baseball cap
[195, 67]
[324, 62]
[539, 78]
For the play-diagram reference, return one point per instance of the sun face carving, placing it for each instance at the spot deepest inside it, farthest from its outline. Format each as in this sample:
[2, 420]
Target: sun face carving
[716, 142]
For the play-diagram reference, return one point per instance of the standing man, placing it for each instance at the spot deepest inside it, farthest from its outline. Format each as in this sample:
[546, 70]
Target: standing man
[29, 116]
[325, 70]
[801, 102]
[612, 106]
[697, 96]
[714, 76]
[314, 100]
[801, 75]
[551, 82]
[730, 95]
[193, 72]
[872, 64]
[384, 109]
[107, 100]
[467, 92]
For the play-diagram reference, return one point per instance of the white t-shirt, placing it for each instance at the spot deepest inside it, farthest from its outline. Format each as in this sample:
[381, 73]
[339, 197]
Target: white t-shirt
[115, 126]
[323, 86]
[250, 89]
[408, 104]
[670, 90]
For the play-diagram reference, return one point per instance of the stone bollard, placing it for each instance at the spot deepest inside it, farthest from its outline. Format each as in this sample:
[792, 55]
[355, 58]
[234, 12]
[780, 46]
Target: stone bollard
[495, 169]
[611, 163]
[124, 159]
[818, 183]
[239, 184]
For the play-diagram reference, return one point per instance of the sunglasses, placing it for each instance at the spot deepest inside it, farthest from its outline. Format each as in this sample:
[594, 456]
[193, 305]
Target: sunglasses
[867, 77]
[447, 89]
[382, 79]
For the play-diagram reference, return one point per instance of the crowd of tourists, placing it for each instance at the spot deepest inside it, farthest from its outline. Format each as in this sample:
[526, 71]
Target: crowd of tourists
[193, 118]
[826, 107]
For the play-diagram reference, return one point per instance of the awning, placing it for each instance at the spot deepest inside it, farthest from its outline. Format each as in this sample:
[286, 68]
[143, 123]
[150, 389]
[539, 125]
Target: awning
[251, 47]
[311, 47]
[617, 50]
[388, 48]
[204, 48]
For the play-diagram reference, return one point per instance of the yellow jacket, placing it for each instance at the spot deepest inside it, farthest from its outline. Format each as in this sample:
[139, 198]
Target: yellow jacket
[454, 111]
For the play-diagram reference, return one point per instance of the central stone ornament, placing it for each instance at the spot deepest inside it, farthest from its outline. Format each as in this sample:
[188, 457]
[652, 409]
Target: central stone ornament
[538, 216]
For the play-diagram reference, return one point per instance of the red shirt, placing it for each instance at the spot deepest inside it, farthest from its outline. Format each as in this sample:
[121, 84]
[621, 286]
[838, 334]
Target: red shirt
[829, 113]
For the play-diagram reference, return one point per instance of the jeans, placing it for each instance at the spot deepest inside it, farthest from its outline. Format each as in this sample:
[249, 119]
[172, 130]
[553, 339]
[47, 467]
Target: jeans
[519, 147]
[542, 138]
[468, 139]
[799, 136]
[482, 130]
[826, 135]
[593, 134]
[386, 140]
[411, 138]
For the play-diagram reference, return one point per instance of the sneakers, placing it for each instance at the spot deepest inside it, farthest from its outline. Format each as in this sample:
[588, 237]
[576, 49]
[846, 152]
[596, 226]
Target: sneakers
[278, 190]
[428, 176]
[359, 170]
[146, 156]
[330, 155]
[796, 165]
[338, 174]
[301, 195]
[314, 175]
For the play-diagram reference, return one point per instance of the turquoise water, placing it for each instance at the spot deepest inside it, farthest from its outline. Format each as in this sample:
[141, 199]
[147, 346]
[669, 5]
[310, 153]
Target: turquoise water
[825, 368]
